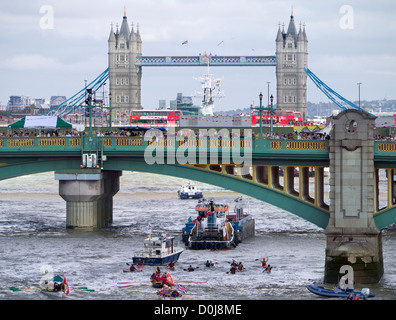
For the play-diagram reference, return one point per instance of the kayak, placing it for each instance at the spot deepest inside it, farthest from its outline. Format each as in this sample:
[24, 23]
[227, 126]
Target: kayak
[338, 293]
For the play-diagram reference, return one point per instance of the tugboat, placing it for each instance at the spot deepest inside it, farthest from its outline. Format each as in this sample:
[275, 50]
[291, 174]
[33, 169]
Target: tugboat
[215, 228]
[158, 250]
[189, 190]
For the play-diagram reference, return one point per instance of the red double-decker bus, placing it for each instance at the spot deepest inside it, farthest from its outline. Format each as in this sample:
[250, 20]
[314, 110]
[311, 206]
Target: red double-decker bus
[279, 117]
[155, 118]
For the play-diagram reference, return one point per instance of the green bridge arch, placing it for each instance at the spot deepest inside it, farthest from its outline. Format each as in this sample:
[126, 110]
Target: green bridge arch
[295, 206]
[320, 217]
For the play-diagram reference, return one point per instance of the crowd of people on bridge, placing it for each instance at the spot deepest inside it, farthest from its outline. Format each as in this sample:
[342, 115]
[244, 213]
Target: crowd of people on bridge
[198, 134]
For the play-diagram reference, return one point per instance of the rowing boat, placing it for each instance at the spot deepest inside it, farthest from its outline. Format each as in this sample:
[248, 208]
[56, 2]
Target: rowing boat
[157, 283]
[55, 287]
[136, 270]
[55, 294]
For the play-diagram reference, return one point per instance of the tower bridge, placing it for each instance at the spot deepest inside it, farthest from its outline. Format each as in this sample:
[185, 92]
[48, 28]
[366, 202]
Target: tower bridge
[126, 61]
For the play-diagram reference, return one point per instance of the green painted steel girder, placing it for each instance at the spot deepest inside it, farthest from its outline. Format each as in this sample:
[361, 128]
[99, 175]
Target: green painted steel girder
[300, 208]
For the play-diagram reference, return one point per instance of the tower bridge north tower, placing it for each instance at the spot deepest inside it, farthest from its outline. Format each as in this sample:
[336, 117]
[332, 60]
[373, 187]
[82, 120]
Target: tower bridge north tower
[124, 46]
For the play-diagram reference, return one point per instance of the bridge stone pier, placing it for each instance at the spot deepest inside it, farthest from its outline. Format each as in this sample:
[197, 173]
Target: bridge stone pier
[353, 238]
[89, 196]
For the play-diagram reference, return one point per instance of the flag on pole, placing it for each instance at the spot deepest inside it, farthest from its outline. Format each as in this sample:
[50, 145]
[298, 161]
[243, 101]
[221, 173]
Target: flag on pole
[66, 286]
[185, 42]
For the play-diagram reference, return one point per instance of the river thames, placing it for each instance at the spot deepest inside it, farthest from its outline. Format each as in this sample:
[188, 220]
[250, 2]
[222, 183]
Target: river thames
[33, 235]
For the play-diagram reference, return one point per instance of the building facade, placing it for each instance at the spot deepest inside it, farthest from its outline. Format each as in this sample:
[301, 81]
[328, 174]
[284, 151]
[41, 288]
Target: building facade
[124, 45]
[291, 59]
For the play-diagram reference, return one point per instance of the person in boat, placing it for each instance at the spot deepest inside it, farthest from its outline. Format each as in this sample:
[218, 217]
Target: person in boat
[233, 270]
[132, 268]
[264, 262]
[190, 268]
[57, 286]
[207, 264]
[163, 277]
[175, 294]
[233, 264]
[268, 268]
[156, 276]
[199, 218]
[240, 266]
[140, 264]
[190, 220]
[171, 265]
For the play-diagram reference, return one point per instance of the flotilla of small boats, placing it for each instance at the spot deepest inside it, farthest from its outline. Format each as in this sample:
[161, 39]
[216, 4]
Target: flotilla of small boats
[214, 228]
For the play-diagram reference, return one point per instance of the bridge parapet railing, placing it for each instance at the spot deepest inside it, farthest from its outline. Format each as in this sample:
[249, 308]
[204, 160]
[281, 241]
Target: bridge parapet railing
[121, 142]
[130, 143]
[30, 143]
[278, 145]
[384, 146]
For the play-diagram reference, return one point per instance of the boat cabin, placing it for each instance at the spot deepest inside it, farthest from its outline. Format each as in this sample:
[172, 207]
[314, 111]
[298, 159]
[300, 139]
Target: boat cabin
[158, 246]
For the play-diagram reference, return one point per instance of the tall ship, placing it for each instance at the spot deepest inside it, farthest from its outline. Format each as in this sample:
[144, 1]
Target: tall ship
[211, 88]
[216, 228]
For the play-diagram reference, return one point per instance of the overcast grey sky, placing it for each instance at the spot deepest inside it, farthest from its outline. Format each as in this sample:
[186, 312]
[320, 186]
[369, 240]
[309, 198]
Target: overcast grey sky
[50, 47]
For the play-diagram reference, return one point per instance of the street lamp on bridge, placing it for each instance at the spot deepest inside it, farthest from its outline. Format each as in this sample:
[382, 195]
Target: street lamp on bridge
[359, 83]
[111, 111]
[260, 109]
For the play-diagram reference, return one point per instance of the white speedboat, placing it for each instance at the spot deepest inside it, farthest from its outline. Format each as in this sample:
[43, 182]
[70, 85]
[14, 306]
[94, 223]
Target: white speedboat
[189, 190]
